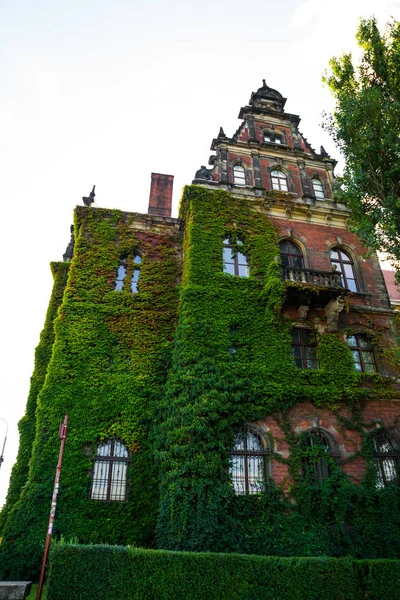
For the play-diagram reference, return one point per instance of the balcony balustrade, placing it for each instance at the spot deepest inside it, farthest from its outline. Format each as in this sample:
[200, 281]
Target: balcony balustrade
[327, 279]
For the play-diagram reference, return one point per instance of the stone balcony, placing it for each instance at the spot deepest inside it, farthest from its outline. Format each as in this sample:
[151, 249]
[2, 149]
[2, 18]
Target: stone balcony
[311, 288]
[327, 279]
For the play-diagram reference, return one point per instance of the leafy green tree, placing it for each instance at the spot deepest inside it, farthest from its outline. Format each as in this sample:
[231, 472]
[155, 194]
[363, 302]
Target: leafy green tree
[365, 125]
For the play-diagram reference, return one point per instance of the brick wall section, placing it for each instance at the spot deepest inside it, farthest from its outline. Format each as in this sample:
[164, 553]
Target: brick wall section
[302, 416]
[160, 201]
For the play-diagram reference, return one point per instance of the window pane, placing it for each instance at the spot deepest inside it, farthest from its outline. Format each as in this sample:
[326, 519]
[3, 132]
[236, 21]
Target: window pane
[243, 271]
[238, 474]
[351, 285]
[351, 340]
[227, 254]
[227, 241]
[118, 481]
[298, 262]
[255, 474]
[278, 140]
[334, 254]
[100, 480]
[138, 259]
[363, 341]
[241, 258]
[229, 268]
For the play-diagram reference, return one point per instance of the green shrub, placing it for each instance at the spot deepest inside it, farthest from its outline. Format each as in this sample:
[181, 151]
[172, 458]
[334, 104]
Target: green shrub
[124, 573]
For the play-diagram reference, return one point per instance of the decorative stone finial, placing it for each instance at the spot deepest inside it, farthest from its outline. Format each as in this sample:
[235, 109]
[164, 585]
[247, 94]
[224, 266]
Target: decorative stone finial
[88, 200]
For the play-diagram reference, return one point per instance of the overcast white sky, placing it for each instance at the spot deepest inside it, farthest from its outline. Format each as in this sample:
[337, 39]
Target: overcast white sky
[106, 91]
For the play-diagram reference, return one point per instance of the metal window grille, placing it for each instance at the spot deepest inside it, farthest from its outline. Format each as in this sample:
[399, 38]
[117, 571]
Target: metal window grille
[291, 255]
[239, 175]
[279, 181]
[344, 265]
[304, 348]
[250, 462]
[363, 355]
[386, 453]
[234, 262]
[110, 472]
[318, 470]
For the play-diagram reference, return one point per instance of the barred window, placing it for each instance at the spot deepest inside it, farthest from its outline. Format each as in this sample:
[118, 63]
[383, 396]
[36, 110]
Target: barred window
[319, 449]
[363, 355]
[239, 175]
[110, 472]
[304, 348]
[250, 461]
[291, 255]
[386, 453]
[279, 181]
[234, 262]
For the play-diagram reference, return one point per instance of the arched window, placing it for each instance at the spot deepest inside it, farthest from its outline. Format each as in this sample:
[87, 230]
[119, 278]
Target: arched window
[320, 451]
[250, 457]
[344, 265]
[234, 262]
[110, 472]
[386, 453]
[304, 348]
[363, 354]
[239, 175]
[291, 254]
[318, 188]
[279, 181]
[128, 273]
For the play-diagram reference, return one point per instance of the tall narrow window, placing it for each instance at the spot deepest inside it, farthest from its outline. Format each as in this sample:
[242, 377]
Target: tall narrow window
[363, 355]
[110, 472]
[239, 175]
[386, 453]
[344, 266]
[279, 181]
[304, 348]
[121, 274]
[291, 255]
[318, 188]
[136, 272]
[234, 262]
[319, 449]
[249, 462]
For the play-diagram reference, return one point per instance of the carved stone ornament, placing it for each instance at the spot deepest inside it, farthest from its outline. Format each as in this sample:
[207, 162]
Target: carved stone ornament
[203, 173]
[332, 312]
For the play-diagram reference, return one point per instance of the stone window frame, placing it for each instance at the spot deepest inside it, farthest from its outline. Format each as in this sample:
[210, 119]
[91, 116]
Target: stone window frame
[320, 180]
[240, 163]
[264, 453]
[276, 133]
[277, 166]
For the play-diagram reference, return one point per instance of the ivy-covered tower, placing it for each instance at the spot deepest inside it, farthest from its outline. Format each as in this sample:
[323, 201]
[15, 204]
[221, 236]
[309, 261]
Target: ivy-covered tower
[230, 376]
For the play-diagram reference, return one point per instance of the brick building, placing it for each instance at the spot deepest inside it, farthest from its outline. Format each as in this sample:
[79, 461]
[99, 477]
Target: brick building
[209, 361]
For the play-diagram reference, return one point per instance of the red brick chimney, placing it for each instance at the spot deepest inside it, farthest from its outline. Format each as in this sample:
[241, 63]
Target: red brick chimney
[160, 202]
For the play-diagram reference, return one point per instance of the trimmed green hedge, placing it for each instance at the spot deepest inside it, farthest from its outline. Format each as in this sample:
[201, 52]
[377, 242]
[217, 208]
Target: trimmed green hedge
[116, 572]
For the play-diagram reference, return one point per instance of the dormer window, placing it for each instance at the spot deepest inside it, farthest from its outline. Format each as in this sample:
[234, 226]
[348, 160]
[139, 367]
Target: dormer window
[318, 188]
[272, 138]
[239, 175]
[279, 181]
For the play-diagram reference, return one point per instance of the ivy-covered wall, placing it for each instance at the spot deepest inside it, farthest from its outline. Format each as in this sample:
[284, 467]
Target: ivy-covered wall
[108, 368]
[154, 370]
[210, 394]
